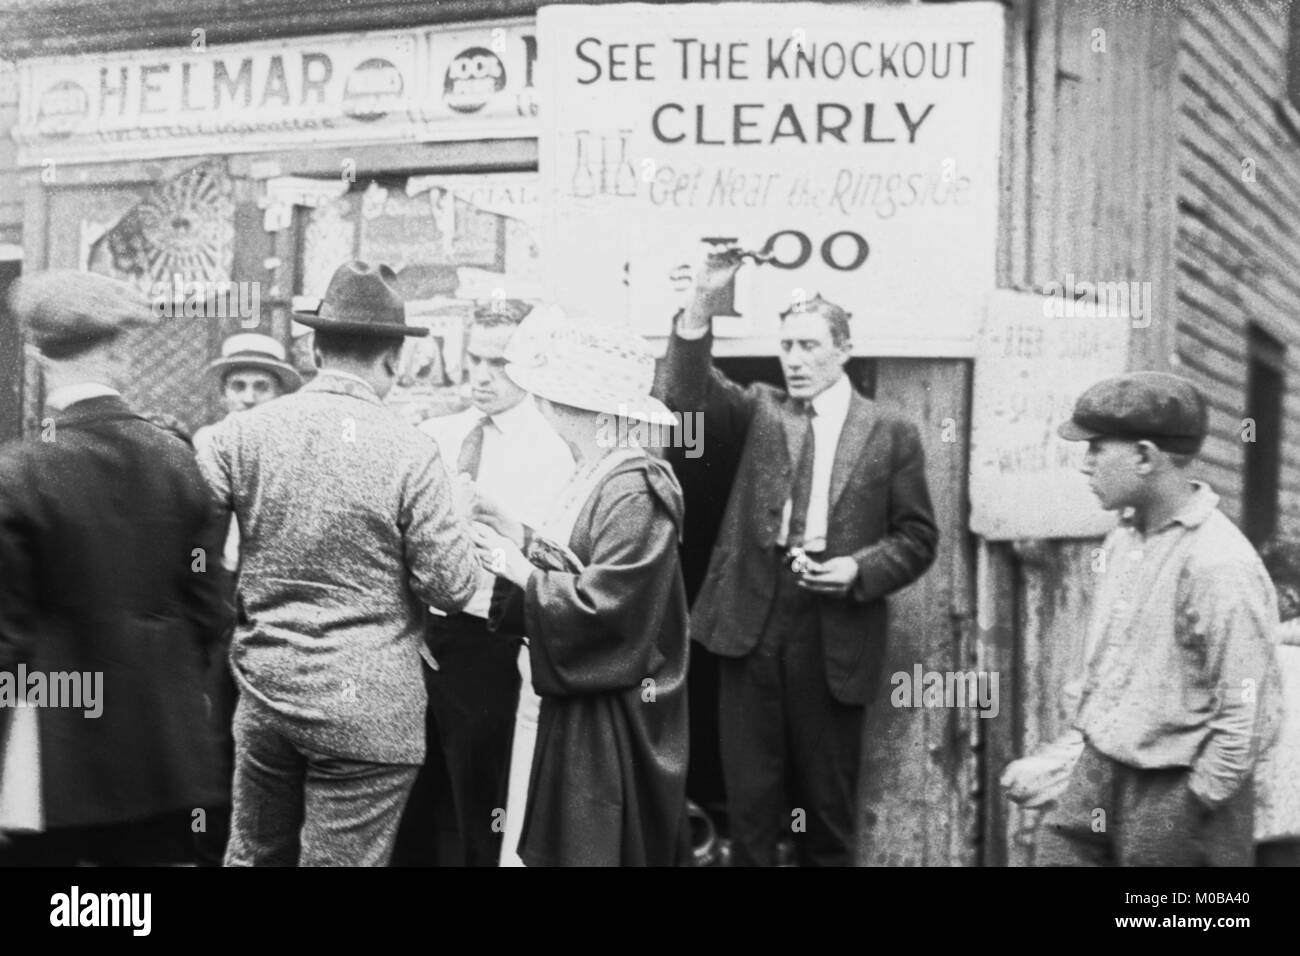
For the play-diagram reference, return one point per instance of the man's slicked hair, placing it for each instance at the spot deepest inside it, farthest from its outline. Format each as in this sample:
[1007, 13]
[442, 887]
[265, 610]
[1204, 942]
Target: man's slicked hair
[500, 313]
[837, 320]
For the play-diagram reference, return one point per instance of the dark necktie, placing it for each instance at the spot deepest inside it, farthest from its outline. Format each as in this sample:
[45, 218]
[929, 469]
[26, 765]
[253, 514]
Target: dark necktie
[802, 490]
[471, 449]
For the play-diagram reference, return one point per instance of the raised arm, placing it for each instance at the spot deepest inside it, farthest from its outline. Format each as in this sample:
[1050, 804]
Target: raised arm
[686, 379]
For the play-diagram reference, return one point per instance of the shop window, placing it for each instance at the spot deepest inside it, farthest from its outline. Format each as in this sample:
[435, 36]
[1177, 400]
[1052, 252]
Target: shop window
[1265, 386]
[179, 228]
[456, 242]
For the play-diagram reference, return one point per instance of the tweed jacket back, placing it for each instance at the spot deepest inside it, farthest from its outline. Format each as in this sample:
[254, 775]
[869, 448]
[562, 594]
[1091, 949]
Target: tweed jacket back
[347, 531]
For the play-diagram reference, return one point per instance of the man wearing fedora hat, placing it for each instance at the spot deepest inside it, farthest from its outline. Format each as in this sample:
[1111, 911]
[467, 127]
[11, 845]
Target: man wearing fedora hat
[1180, 689]
[828, 514]
[348, 532]
[103, 522]
[598, 764]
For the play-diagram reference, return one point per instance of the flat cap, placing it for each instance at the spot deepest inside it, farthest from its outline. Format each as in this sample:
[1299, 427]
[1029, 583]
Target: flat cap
[1165, 409]
[66, 312]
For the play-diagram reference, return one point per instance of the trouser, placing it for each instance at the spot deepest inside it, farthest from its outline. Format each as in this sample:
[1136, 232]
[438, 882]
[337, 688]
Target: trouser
[157, 841]
[472, 709]
[296, 806]
[223, 696]
[428, 833]
[1112, 814]
[790, 751]
[521, 760]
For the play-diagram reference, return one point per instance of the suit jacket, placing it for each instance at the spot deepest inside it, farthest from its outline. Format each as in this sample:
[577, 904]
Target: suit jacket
[608, 649]
[879, 514]
[347, 532]
[97, 535]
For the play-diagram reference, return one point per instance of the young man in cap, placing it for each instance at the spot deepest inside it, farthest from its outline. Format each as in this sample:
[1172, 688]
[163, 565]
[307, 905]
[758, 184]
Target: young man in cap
[1181, 689]
[504, 446]
[103, 522]
[347, 533]
[829, 513]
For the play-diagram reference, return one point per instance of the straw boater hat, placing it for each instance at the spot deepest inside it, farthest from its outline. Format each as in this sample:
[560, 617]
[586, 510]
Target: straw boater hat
[590, 366]
[361, 300]
[261, 352]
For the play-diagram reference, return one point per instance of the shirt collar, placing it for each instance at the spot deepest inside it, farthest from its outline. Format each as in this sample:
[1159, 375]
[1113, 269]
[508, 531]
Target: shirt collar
[342, 383]
[61, 398]
[834, 401]
[1193, 514]
[517, 417]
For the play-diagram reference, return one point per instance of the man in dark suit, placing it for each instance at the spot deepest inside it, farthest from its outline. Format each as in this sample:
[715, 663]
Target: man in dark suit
[828, 514]
[109, 546]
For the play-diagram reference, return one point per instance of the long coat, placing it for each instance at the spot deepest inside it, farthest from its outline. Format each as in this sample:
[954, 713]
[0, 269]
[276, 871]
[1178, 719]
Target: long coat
[880, 515]
[98, 531]
[608, 649]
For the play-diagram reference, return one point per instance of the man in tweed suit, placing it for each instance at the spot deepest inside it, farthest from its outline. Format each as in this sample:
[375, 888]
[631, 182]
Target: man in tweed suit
[348, 531]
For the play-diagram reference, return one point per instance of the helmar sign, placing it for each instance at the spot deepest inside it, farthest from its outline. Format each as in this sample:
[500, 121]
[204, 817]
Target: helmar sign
[856, 147]
[210, 97]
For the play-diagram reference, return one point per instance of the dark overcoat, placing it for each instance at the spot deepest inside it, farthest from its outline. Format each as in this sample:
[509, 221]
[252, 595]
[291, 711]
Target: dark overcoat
[98, 573]
[608, 648]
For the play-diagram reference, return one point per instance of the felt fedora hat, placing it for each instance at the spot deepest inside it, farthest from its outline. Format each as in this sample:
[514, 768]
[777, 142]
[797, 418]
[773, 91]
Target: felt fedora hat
[361, 300]
[588, 365]
[256, 351]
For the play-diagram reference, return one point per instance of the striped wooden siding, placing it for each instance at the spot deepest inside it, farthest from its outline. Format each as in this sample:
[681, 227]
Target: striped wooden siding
[1237, 243]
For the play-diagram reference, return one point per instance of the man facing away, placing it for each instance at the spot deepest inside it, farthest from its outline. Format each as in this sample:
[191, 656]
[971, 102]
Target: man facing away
[512, 455]
[347, 532]
[828, 514]
[106, 534]
[1180, 689]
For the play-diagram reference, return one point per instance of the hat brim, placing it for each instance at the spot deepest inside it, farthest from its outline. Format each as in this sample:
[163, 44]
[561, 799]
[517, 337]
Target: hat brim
[544, 383]
[380, 330]
[289, 378]
[1073, 431]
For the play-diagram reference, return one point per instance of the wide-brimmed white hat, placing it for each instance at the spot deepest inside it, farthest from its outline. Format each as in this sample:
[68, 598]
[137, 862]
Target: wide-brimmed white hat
[585, 364]
[261, 352]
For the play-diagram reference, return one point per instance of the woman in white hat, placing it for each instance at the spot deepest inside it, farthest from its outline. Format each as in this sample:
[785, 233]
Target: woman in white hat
[598, 590]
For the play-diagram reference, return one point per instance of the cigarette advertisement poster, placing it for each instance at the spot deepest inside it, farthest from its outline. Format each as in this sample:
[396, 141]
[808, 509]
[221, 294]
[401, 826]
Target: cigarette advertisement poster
[858, 146]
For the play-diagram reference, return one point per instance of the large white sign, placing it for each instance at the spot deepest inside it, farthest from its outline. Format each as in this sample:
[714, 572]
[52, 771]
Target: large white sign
[410, 85]
[857, 145]
[1033, 362]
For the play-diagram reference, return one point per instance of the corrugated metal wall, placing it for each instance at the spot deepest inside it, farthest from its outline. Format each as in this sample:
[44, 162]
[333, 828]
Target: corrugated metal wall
[1238, 224]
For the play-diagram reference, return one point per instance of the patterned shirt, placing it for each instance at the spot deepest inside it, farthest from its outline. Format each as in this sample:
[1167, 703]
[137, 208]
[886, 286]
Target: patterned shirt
[1181, 666]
